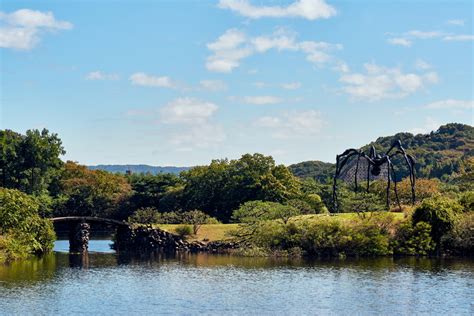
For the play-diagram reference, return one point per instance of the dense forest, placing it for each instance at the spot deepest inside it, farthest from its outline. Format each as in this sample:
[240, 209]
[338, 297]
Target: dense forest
[251, 189]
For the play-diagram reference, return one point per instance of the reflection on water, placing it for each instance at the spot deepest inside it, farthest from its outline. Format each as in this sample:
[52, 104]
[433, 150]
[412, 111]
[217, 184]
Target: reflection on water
[111, 283]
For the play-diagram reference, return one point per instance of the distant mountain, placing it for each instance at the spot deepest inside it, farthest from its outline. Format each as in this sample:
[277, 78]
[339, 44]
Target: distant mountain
[440, 154]
[139, 169]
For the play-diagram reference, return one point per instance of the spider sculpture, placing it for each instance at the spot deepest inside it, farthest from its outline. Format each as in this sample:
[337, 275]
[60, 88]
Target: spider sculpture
[375, 162]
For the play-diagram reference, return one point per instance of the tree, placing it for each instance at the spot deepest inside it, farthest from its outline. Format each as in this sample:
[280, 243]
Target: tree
[257, 211]
[20, 221]
[197, 219]
[30, 162]
[224, 185]
[440, 213]
[87, 192]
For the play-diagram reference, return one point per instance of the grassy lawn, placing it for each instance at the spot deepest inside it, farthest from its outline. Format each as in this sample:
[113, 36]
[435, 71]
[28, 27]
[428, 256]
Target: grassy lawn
[213, 232]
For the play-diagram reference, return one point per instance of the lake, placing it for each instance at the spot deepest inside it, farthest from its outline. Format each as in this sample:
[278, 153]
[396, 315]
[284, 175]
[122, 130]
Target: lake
[107, 283]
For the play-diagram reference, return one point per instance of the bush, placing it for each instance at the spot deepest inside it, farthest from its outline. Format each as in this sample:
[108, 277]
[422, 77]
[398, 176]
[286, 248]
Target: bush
[413, 240]
[460, 240]
[184, 231]
[467, 201]
[26, 232]
[440, 213]
[146, 215]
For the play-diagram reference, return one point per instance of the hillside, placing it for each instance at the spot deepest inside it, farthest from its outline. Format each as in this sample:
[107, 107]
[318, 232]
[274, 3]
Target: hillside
[440, 154]
[139, 169]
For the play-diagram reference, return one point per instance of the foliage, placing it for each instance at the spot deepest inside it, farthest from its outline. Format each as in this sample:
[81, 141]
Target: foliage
[184, 231]
[224, 185]
[29, 162]
[466, 199]
[440, 213]
[196, 218]
[25, 231]
[149, 190]
[256, 211]
[92, 192]
[460, 240]
[146, 215]
[413, 240]
[425, 188]
[317, 170]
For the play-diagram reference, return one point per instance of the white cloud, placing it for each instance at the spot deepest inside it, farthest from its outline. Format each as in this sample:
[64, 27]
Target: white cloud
[293, 124]
[381, 82]
[459, 38]
[451, 104]
[407, 38]
[233, 46]
[142, 79]
[456, 22]
[399, 41]
[23, 28]
[424, 34]
[227, 50]
[213, 85]
[291, 85]
[99, 75]
[261, 100]
[429, 125]
[308, 9]
[188, 111]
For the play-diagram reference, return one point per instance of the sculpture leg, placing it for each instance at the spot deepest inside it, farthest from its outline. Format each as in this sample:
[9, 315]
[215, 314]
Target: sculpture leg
[388, 186]
[395, 186]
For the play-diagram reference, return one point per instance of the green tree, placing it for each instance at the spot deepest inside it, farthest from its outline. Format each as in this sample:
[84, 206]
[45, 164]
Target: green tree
[87, 192]
[440, 213]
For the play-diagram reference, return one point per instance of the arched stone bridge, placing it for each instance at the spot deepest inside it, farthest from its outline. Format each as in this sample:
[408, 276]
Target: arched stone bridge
[79, 229]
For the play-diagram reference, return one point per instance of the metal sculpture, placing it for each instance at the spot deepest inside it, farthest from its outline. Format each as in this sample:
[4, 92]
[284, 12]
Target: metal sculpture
[374, 163]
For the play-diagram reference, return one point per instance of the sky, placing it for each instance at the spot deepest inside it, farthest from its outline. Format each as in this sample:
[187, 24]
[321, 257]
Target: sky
[184, 82]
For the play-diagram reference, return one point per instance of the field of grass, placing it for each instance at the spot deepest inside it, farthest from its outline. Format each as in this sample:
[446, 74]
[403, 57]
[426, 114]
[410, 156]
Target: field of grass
[213, 232]
[210, 232]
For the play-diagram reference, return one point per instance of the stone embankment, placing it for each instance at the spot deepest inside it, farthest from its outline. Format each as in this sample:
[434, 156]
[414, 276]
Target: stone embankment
[146, 239]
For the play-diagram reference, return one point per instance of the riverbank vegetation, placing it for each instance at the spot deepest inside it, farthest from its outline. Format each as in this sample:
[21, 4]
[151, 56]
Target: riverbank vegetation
[265, 206]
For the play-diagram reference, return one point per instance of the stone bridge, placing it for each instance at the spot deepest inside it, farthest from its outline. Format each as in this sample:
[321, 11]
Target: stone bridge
[79, 229]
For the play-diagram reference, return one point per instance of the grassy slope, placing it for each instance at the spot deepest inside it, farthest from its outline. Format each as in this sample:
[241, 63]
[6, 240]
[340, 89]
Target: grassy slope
[214, 232]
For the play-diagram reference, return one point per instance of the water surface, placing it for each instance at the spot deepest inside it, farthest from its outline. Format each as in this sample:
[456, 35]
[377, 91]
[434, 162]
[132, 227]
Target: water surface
[108, 283]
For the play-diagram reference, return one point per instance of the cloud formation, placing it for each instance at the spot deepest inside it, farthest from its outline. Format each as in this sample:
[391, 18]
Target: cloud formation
[307, 9]
[406, 39]
[381, 82]
[293, 124]
[23, 28]
[188, 110]
[234, 45]
[143, 79]
[99, 75]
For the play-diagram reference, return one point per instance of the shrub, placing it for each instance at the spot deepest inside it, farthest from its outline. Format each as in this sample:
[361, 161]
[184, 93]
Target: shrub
[467, 201]
[460, 240]
[183, 231]
[26, 232]
[146, 215]
[440, 213]
[413, 240]
[255, 211]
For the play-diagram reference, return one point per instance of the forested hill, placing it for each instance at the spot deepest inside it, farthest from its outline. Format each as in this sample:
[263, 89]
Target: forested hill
[440, 154]
[139, 169]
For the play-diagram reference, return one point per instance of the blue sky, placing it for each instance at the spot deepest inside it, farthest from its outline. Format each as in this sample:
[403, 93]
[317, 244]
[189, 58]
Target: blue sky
[184, 82]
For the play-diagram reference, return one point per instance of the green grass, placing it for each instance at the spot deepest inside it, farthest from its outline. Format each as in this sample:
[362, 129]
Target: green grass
[213, 232]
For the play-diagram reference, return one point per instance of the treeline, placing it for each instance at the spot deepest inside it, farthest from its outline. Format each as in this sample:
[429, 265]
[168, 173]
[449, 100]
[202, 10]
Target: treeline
[31, 169]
